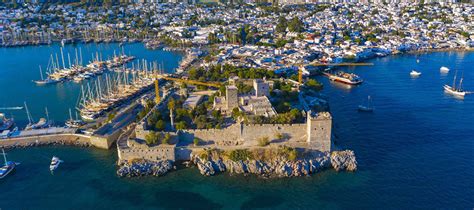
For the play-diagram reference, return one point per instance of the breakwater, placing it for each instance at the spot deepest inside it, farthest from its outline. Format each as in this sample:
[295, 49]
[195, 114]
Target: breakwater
[44, 140]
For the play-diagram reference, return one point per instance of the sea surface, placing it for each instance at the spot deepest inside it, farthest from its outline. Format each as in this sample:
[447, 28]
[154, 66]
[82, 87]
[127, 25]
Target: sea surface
[20, 66]
[415, 151]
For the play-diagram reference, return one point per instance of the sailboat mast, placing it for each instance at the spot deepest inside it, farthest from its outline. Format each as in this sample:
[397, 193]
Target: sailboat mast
[47, 114]
[41, 73]
[62, 58]
[4, 156]
[454, 80]
[28, 113]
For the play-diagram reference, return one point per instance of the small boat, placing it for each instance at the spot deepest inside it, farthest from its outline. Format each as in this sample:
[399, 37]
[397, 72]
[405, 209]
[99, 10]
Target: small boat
[5, 123]
[55, 161]
[368, 107]
[414, 73]
[444, 69]
[74, 123]
[8, 167]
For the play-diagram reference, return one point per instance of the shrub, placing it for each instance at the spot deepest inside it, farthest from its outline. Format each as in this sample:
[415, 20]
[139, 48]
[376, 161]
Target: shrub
[196, 141]
[279, 136]
[166, 139]
[160, 125]
[288, 152]
[239, 154]
[264, 141]
[152, 138]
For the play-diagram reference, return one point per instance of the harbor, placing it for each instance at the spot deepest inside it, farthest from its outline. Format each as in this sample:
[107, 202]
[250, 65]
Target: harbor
[61, 97]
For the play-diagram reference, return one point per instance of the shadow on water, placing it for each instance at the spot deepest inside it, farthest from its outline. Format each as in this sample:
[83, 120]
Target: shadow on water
[105, 191]
[262, 201]
[189, 200]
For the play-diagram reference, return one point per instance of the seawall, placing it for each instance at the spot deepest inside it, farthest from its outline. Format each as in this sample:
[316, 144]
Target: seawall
[67, 139]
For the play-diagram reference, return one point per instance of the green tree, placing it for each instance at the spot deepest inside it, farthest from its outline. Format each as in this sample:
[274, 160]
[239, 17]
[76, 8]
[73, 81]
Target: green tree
[166, 139]
[160, 125]
[296, 25]
[181, 125]
[281, 25]
[152, 138]
[196, 141]
[314, 84]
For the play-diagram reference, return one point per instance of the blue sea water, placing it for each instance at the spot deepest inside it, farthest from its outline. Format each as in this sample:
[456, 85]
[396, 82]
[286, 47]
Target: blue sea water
[414, 152]
[20, 66]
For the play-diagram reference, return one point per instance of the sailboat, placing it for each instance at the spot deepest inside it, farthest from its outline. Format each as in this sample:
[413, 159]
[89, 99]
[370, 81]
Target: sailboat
[74, 123]
[46, 81]
[42, 122]
[455, 90]
[8, 167]
[367, 108]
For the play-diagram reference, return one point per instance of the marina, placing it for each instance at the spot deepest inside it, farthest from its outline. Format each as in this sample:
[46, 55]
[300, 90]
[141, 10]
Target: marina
[61, 97]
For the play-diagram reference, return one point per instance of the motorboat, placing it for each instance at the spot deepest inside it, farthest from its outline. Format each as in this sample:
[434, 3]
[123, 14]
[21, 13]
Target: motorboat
[414, 73]
[444, 69]
[55, 161]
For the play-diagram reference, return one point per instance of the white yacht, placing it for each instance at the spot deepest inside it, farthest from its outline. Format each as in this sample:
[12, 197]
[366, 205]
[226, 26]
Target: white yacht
[55, 161]
[414, 73]
[444, 69]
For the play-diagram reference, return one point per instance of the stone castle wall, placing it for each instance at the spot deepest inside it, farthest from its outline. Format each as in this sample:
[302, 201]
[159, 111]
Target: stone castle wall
[314, 134]
[154, 153]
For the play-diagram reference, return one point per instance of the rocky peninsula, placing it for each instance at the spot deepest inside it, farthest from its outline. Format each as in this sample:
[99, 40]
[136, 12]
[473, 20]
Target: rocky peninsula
[280, 166]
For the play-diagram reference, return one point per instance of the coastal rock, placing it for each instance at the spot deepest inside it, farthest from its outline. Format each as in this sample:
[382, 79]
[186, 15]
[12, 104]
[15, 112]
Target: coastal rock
[339, 160]
[344, 160]
[144, 168]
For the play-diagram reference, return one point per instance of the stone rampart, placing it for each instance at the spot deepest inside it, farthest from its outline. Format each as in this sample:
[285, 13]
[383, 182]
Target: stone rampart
[71, 139]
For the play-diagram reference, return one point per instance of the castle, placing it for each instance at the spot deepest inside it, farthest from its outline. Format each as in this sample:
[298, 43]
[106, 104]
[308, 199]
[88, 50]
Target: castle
[314, 134]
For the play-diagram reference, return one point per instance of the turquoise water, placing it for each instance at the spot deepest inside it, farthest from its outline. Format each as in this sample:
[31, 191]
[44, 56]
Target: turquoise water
[415, 152]
[20, 66]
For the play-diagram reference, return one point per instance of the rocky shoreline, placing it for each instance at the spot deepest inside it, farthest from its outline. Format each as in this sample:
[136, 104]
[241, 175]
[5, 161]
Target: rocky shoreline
[47, 143]
[339, 160]
[144, 168]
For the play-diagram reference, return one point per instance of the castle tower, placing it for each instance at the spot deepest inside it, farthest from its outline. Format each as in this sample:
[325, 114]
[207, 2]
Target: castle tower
[261, 88]
[231, 97]
[319, 128]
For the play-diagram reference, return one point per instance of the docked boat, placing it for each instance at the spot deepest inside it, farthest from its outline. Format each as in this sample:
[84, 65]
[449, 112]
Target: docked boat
[55, 161]
[8, 167]
[5, 123]
[366, 108]
[455, 90]
[343, 77]
[74, 123]
[42, 122]
[414, 73]
[444, 69]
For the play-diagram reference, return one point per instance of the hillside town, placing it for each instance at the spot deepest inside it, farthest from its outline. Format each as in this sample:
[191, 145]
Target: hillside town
[278, 38]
